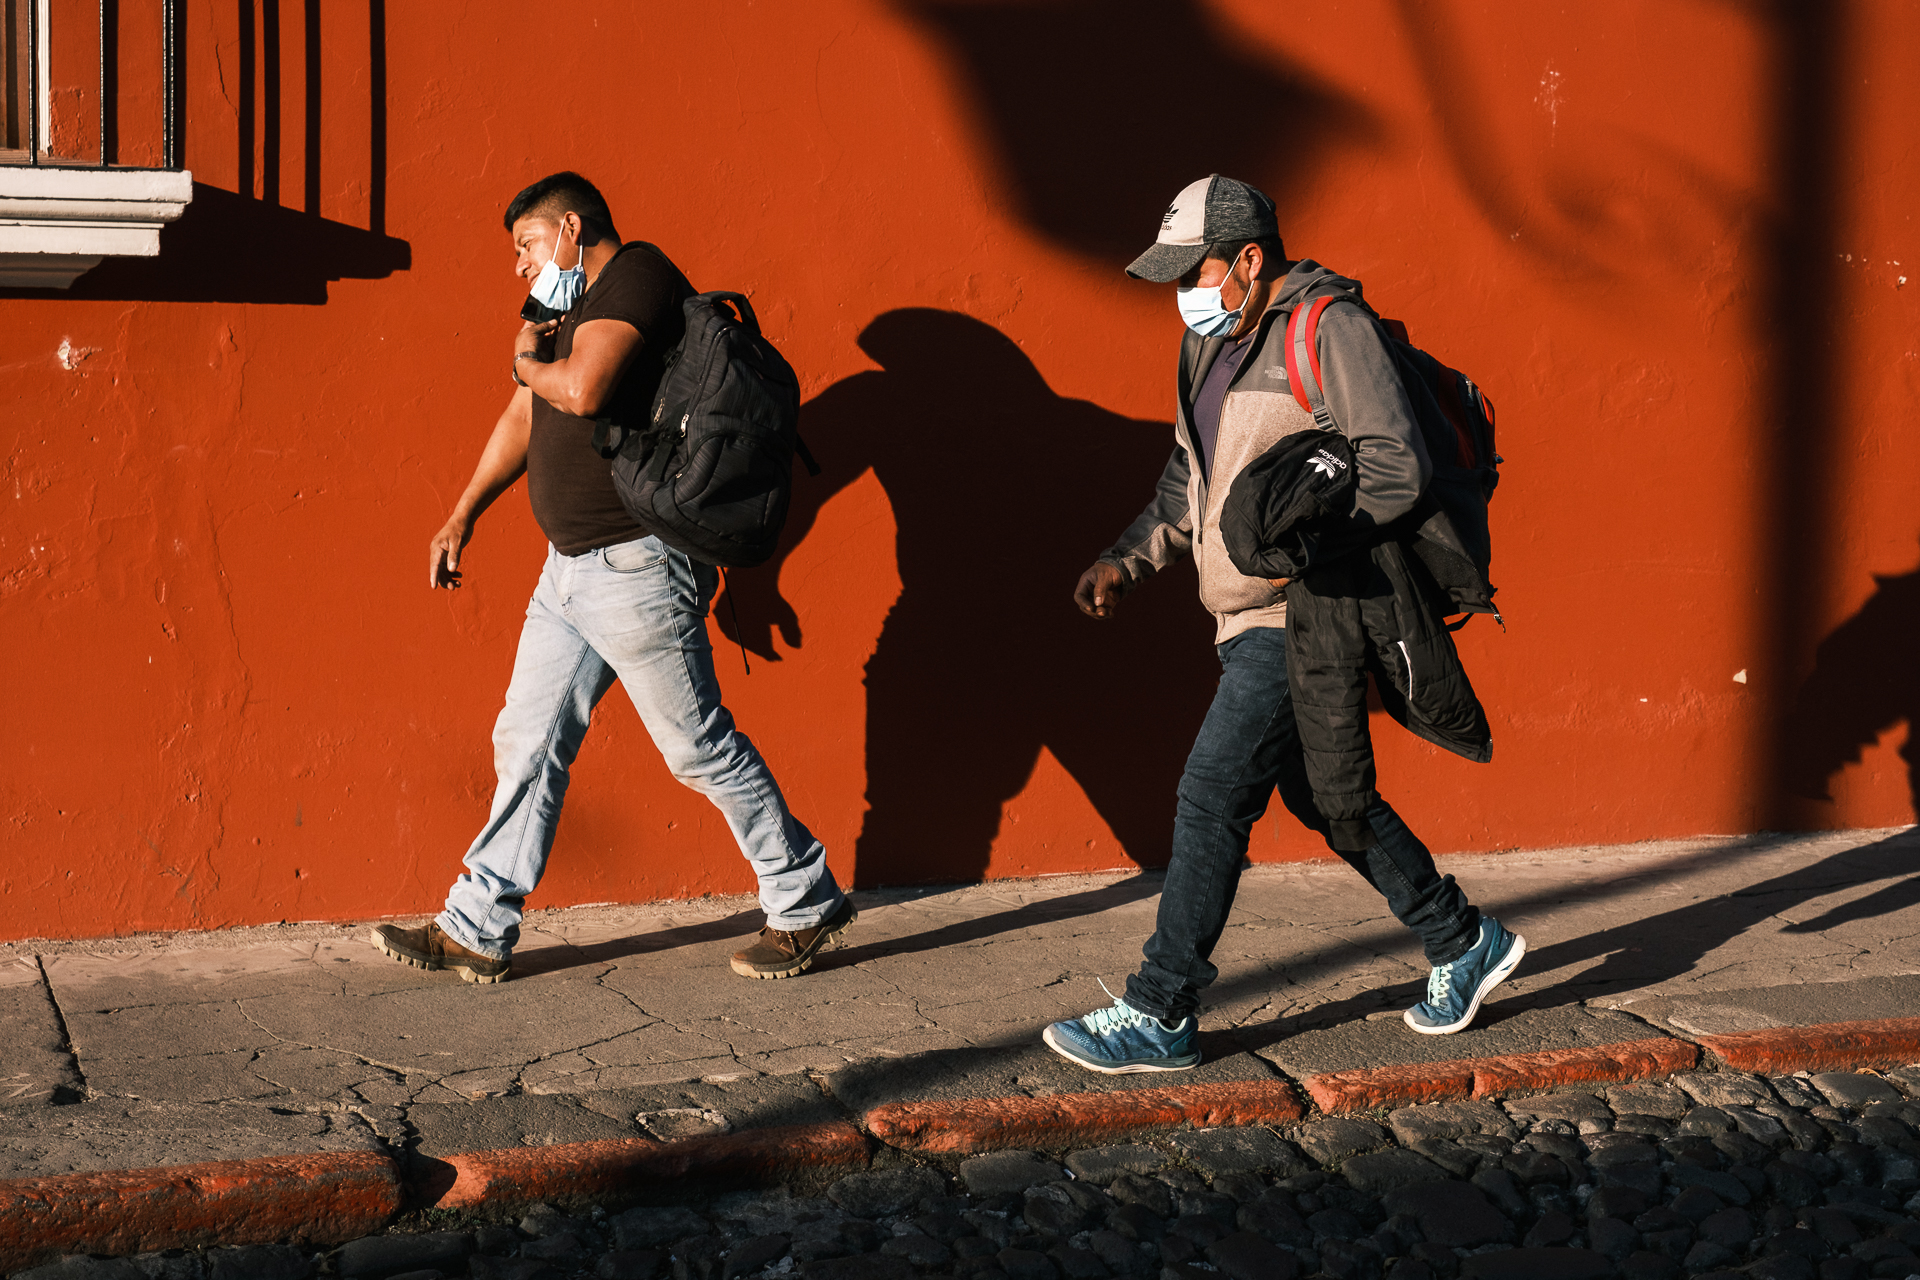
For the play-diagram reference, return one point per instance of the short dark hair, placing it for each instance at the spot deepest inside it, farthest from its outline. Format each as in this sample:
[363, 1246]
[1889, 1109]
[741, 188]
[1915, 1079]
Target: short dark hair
[1271, 248]
[557, 195]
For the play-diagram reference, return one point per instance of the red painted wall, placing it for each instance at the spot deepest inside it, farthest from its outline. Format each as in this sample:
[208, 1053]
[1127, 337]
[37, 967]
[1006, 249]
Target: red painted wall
[1667, 237]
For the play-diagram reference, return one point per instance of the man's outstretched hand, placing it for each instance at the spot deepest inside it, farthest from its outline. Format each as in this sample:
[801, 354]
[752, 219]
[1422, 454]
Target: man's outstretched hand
[445, 550]
[1100, 589]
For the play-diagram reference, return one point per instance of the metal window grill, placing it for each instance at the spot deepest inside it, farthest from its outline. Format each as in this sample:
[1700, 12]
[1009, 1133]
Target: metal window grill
[109, 75]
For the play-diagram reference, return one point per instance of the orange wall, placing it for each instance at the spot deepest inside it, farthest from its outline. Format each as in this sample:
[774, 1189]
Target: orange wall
[1666, 236]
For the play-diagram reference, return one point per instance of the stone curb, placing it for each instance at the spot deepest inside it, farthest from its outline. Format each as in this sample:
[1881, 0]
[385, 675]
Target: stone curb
[323, 1198]
[1068, 1119]
[579, 1172]
[330, 1198]
[1829, 1046]
[1399, 1086]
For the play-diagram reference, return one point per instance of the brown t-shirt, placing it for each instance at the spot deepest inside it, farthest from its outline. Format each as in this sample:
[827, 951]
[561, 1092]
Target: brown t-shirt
[568, 482]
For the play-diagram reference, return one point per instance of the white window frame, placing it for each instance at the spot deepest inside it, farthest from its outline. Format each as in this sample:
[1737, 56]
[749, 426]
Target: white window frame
[58, 220]
[42, 106]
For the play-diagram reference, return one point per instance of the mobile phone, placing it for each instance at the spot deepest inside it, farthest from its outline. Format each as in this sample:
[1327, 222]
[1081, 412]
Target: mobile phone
[538, 312]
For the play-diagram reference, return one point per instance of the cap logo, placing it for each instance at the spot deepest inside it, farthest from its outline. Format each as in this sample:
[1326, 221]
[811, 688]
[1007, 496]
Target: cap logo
[1173, 209]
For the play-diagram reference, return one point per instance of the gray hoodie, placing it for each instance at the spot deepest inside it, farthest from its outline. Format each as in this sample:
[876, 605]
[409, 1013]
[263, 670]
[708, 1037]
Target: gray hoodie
[1369, 406]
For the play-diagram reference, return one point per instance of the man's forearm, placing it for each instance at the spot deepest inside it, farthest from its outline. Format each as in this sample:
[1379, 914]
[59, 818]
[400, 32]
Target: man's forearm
[1162, 533]
[562, 385]
[488, 483]
[581, 382]
[546, 379]
[502, 462]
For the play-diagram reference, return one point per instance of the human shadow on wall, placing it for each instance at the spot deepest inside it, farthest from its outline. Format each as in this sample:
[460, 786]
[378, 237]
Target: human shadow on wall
[1089, 107]
[1003, 492]
[1864, 682]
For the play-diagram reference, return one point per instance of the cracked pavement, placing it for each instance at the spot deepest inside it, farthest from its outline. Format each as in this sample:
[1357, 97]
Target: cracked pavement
[626, 1021]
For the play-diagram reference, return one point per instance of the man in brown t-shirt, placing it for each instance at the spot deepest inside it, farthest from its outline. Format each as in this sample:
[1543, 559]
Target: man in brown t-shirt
[613, 603]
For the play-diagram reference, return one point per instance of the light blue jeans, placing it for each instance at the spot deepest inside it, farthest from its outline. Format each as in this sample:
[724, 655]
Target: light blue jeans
[636, 613]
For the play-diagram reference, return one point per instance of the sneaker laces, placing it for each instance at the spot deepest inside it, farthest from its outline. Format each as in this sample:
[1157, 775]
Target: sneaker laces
[1440, 981]
[1117, 1016]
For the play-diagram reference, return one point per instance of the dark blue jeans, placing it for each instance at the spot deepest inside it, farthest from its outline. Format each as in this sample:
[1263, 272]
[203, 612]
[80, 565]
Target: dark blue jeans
[1248, 748]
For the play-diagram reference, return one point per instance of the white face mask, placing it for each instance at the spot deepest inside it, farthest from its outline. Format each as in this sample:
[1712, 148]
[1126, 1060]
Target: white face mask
[1204, 312]
[558, 288]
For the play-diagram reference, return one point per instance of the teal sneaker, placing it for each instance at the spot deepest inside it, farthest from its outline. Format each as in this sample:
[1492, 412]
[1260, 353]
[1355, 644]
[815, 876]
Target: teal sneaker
[1120, 1040]
[1454, 991]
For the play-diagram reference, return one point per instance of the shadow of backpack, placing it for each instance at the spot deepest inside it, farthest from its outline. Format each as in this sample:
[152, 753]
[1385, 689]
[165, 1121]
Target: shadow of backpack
[711, 472]
[1451, 533]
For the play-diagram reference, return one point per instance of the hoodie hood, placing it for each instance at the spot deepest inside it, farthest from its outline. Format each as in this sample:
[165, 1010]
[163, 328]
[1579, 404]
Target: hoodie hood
[1307, 279]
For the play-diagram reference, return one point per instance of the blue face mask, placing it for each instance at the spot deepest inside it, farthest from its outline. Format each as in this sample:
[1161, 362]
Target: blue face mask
[1203, 312]
[556, 288]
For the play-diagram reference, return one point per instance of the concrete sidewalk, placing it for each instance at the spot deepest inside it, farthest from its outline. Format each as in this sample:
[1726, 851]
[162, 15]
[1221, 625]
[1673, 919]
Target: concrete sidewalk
[626, 1022]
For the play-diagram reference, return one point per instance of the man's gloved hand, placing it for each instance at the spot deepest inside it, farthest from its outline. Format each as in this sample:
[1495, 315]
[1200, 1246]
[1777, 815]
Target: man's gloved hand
[1100, 590]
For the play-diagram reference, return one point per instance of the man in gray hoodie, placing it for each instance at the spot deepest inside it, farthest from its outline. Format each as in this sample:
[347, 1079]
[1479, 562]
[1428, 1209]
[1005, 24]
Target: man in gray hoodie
[1220, 243]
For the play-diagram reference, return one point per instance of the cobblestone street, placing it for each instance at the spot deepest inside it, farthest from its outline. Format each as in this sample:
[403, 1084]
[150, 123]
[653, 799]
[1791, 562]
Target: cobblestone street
[1808, 1177]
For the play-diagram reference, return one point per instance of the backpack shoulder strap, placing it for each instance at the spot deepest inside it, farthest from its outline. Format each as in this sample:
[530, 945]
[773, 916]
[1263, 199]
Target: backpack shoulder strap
[1303, 359]
[1303, 353]
[805, 454]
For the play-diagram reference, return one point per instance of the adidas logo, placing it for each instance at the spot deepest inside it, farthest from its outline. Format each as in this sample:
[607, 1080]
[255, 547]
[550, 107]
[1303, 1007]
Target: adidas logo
[1172, 210]
[1328, 465]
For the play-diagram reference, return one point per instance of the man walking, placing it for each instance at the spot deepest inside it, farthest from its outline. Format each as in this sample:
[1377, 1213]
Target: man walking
[612, 603]
[1220, 242]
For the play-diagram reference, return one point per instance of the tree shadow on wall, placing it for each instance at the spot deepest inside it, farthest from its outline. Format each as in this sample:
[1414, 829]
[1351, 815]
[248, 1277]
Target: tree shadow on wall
[1094, 108]
[1003, 493]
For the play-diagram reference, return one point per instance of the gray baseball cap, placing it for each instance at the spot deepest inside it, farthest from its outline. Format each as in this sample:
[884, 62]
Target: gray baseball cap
[1211, 211]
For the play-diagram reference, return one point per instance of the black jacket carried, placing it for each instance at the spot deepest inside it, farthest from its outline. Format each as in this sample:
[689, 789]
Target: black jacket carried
[1360, 601]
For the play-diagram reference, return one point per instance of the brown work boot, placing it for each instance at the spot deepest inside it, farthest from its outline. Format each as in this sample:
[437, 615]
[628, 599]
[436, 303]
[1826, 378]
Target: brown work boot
[780, 954]
[429, 947]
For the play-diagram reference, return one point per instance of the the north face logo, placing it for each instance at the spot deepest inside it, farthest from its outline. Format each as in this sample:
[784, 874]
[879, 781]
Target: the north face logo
[1328, 465]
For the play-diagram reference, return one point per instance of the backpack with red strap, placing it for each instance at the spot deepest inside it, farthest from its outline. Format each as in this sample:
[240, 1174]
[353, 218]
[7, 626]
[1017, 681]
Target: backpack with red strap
[1455, 417]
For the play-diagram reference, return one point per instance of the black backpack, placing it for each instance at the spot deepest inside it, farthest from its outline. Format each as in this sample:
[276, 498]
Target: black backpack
[711, 472]
[1455, 417]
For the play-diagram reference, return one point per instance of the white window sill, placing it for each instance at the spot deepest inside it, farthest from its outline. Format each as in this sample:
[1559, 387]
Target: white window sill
[58, 221]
